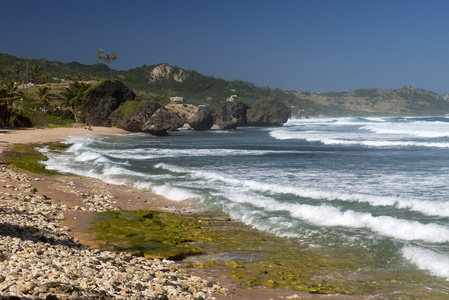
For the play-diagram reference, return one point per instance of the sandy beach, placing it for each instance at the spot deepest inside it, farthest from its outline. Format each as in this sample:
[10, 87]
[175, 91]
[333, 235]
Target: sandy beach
[71, 191]
[35, 135]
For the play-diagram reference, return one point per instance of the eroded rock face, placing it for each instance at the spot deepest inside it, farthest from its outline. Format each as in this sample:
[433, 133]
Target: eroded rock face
[238, 113]
[132, 115]
[162, 121]
[185, 111]
[221, 115]
[101, 101]
[164, 71]
[268, 112]
[203, 120]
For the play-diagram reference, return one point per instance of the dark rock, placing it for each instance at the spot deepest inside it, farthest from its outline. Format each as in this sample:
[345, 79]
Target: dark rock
[221, 115]
[238, 113]
[203, 120]
[268, 112]
[132, 115]
[101, 101]
[230, 125]
[21, 121]
[162, 121]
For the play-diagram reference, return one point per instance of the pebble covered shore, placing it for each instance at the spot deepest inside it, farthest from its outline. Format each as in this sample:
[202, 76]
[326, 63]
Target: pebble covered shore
[40, 260]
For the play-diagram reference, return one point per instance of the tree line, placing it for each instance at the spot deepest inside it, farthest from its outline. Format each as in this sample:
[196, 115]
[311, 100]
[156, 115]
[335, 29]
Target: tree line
[19, 77]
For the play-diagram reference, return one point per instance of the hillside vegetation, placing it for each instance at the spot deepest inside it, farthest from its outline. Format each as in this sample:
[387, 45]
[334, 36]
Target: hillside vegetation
[159, 82]
[405, 101]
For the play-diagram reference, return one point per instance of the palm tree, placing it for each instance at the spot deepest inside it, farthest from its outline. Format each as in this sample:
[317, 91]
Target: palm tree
[8, 95]
[101, 57]
[68, 99]
[44, 97]
[45, 76]
[34, 72]
[80, 77]
[18, 68]
[11, 88]
[114, 57]
[73, 96]
[108, 60]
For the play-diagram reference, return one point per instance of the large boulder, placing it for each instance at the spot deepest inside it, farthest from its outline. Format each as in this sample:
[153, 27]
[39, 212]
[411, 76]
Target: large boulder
[132, 115]
[102, 100]
[230, 125]
[221, 115]
[238, 113]
[203, 120]
[162, 121]
[237, 118]
[185, 111]
[268, 112]
[22, 121]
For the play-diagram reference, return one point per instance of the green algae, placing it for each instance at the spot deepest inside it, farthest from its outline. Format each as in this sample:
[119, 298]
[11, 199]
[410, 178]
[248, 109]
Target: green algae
[28, 158]
[153, 234]
[206, 240]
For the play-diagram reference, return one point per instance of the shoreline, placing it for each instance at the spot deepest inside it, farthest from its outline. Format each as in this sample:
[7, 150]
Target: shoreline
[71, 191]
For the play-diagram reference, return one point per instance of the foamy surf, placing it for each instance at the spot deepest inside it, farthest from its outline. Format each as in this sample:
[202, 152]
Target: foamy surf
[435, 263]
[372, 186]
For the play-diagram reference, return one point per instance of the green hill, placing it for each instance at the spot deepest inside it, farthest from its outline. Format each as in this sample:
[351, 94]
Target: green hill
[163, 81]
[405, 101]
[199, 89]
[44, 71]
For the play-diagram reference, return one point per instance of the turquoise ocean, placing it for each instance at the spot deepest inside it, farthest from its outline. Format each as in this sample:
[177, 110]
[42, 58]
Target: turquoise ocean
[378, 187]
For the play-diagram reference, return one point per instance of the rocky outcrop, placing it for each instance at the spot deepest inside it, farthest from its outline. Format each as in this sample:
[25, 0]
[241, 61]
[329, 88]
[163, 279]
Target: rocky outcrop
[113, 104]
[102, 100]
[185, 111]
[230, 125]
[203, 120]
[268, 112]
[238, 113]
[237, 118]
[221, 115]
[162, 121]
[165, 71]
[132, 115]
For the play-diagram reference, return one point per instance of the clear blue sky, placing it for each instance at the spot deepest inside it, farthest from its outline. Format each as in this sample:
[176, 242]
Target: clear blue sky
[313, 45]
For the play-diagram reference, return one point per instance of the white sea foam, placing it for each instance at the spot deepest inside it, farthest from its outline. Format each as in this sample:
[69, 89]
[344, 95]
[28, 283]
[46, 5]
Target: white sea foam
[366, 132]
[353, 140]
[325, 215]
[174, 193]
[155, 153]
[329, 216]
[415, 129]
[87, 156]
[435, 263]
[430, 208]
[378, 143]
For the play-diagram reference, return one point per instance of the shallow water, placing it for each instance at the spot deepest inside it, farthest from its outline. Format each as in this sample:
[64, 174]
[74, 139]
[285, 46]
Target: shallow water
[373, 188]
